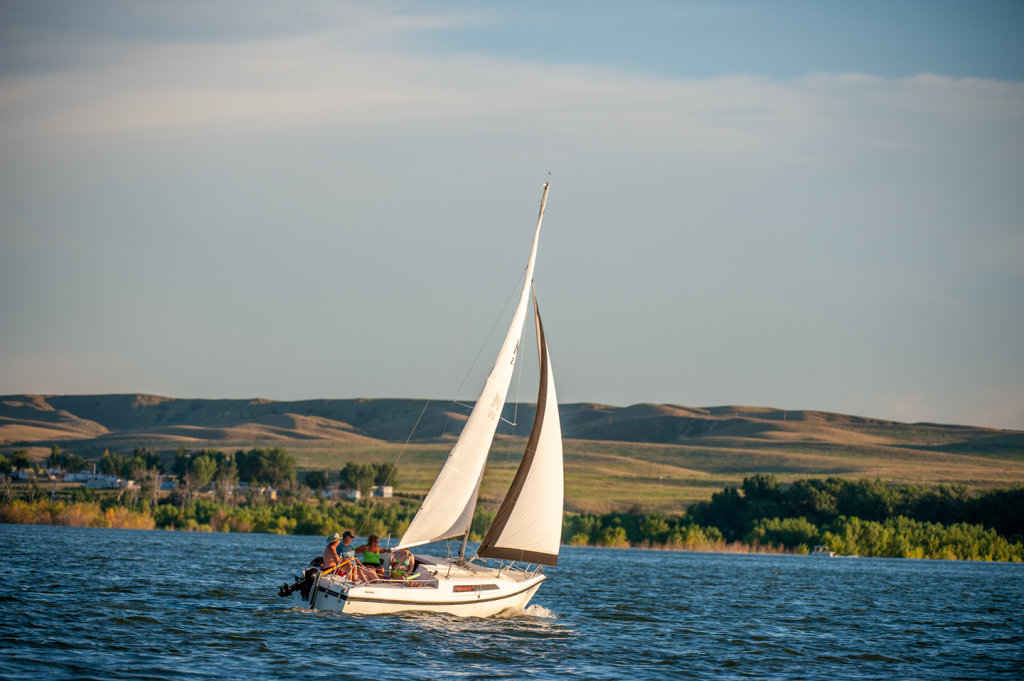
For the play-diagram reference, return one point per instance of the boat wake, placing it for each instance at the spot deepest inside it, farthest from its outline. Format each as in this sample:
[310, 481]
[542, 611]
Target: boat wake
[535, 611]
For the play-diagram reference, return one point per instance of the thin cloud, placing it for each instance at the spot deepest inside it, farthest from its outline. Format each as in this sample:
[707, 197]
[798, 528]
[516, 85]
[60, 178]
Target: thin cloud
[312, 81]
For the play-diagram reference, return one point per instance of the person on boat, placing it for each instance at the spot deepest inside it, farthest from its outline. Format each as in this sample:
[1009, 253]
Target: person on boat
[371, 551]
[331, 558]
[346, 551]
[402, 564]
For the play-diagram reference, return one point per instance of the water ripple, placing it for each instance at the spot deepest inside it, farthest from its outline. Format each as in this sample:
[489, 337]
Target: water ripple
[122, 604]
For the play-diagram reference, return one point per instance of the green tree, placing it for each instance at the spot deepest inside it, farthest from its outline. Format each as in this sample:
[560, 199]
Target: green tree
[54, 461]
[386, 474]
[227, 480]
[655, 528]
[72, 463]
[250, 465]
[360, 477]
[614, 537]
[151, 457]
[349, 475]
[204, 468]
[790, 532]
[317, 480]
[181, 461]
[278, 466]
[111, 463]
[20, 460]
[6, 467]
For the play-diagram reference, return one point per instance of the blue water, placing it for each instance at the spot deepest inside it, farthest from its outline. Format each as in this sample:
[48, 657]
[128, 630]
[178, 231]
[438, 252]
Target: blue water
[80, 603]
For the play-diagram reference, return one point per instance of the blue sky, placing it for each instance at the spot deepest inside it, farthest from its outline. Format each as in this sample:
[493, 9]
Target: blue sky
[801, 205]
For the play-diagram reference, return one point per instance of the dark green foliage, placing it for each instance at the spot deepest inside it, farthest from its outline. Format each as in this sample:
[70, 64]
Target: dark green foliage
[317, 480]
[268, 466]
[905, 538]
[181, 462]
[72, 463]
[822, 501]
[130, 466]
[6, 467]
[20, 460]
[482, 519]
[111, 463]
[895, 538]
[791, 533]
[364, 477]
[54, 459]
[295, 518]
[152, 459]
[203, 468]
[615, 529]
[82, 494]
[360, 477]
[386, 473]
[278, 466]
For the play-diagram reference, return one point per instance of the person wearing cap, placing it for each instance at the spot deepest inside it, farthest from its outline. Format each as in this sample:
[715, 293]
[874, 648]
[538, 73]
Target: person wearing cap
[331, 552]
[346, 551]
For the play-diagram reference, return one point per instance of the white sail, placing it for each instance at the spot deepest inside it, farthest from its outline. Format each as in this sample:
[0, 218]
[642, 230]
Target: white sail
[448, 509]
[528, 526]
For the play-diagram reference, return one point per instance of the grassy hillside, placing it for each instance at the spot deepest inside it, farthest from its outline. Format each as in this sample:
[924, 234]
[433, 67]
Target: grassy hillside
[651, 456]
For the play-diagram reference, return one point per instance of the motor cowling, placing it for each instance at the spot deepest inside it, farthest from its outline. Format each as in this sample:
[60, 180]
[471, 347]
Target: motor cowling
[303, 585]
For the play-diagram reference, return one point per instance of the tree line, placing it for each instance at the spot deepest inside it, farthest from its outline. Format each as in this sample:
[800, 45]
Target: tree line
[354, 476]
[63, 461]
[735, 511]
[852, 517]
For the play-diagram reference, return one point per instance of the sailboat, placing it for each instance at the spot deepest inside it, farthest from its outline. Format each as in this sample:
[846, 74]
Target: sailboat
[524, 537]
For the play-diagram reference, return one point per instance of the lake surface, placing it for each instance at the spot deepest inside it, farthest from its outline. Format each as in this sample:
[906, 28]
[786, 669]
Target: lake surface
[109, 604]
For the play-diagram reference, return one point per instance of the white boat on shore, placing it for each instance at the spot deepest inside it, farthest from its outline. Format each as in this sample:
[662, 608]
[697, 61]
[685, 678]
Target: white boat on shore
[507, 569]
[822, 552]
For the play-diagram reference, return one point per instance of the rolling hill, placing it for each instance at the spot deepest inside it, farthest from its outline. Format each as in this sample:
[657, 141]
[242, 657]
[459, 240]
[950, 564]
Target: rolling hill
[648, 455]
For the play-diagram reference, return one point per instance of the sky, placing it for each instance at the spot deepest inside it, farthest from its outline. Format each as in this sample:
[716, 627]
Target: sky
[803, 205]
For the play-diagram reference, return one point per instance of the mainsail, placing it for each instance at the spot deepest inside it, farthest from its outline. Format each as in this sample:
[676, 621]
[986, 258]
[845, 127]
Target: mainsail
[448, 508]
[528, 526]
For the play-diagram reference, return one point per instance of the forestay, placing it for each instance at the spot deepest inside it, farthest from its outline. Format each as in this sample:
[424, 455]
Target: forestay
[448, 508]
[528, 526]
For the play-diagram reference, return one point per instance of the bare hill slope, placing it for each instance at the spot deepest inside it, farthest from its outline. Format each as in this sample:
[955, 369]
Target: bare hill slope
[658, 456]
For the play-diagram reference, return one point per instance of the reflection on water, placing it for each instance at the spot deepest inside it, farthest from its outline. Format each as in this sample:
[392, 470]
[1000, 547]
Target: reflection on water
[89, 603]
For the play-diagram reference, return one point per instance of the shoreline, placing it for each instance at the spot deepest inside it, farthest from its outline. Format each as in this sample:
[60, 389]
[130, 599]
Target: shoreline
[89, 514]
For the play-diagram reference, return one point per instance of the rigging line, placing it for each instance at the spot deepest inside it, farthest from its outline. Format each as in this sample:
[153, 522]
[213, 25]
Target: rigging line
[493, 326]
[515, 417]
[469, 406]
[457, 346]
[482, 346]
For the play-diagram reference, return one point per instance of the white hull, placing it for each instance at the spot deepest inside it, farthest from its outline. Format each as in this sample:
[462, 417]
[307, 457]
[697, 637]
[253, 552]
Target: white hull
[475, 591]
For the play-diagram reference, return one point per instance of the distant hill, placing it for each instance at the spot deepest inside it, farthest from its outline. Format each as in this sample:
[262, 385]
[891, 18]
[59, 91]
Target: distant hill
[654, 454]
[26, 419]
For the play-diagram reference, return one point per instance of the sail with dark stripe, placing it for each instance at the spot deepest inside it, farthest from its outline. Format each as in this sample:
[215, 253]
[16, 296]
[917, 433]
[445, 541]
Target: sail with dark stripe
[528, 526]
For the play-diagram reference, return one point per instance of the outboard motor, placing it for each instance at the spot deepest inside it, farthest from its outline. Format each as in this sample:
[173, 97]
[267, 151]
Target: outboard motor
[304, 583]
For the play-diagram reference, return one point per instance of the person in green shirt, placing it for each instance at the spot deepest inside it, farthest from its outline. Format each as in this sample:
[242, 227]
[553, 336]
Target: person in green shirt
[371, 551]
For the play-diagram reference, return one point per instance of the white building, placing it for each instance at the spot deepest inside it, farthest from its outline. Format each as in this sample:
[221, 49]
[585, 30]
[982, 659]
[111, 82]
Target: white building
[106, 481]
